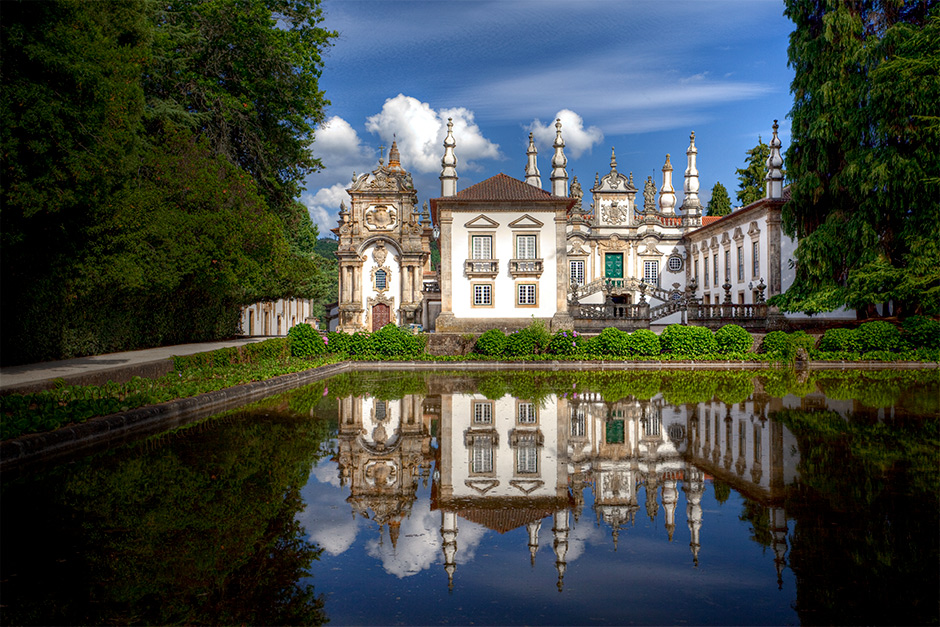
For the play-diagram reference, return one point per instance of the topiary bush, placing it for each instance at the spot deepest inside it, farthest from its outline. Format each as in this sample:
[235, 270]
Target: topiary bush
[921, 332]
[565, 343]
[802, 339]
[613, 342]
[589, 347]
[521, 343]
[732, 338]
[776, 343]
[393, 341]
[337, 342]
[687, 341]
[358, 343]
[879, 335]
[492, 343]
[305, 341]
[840, 340]
[643, 342]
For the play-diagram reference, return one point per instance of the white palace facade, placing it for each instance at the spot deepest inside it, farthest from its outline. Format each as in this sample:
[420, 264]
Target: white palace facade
[512, 251]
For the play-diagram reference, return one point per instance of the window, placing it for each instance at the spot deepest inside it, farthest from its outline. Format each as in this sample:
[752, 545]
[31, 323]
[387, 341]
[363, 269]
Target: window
[482, 246]
[381, 280]
[577, 272]
[715, 271]
[482, 294]
[577, 422]
[728, 266]
[381, 410]
[481, 454]
[525, 414]
[706, 271]
[740, 264]
[483, 413]
[675, 263]
[651, 272]
[755, 255]
[526, 295]
[525, 247]
[695, 275]
[527, 456]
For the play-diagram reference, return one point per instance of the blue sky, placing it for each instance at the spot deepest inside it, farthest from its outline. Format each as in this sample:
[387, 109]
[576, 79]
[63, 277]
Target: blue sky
[637, 76]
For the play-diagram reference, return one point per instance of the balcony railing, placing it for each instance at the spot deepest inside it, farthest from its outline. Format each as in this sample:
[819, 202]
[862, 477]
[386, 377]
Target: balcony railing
[525, 267]
[751, 311]
[481, 267]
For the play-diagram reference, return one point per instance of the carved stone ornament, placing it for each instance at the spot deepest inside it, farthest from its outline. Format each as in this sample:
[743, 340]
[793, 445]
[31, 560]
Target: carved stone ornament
[380, 217]
[614, 243]
[379, 254]
[578, 248]
[649, 195]
[615, 213]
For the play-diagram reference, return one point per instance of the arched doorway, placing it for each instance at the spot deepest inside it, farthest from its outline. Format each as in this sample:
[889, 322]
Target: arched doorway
[380, 316]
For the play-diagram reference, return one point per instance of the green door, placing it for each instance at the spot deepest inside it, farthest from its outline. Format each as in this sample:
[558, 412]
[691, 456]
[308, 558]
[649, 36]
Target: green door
[613, 265]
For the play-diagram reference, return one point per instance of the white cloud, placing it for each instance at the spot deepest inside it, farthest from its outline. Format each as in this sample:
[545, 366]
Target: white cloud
[420, 130]
[326, 515]
[578, 139]
[324, 206]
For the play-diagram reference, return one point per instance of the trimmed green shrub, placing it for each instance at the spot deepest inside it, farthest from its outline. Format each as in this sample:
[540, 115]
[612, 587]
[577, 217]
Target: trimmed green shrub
[802, 339]
[687, 341]
[643, 342]
[274, 348]
[732, 338]
[492, 343]
[305, 341]
[393, 341]
[922, 332]
[840, 340]
[776, 343]
[589, 347]
[879, 335]
[540, 335]
[337, 342]
[521, 343]
[358, 343]
[565, 343]
[613, 342]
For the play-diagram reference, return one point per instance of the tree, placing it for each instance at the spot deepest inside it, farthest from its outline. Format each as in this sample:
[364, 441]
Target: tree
[720, 202]
[862, 162]
[751, 176]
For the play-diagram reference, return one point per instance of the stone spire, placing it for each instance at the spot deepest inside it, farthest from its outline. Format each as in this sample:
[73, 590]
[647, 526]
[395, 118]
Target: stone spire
[559, 161]
[691, 205]
[449, 536]
[533, 530]
[667, 194]
[774, 179]
[394, 158]
[670, 496]
[694, 488]
[449, 163]
[532, 175]
[613, 160]
[560, 531]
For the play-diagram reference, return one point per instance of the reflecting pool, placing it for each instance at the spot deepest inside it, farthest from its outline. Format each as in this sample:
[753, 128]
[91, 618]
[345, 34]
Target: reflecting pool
[502, 498]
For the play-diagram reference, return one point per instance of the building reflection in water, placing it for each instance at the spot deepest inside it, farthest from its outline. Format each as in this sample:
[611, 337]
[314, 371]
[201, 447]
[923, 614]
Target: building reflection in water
[511, 463]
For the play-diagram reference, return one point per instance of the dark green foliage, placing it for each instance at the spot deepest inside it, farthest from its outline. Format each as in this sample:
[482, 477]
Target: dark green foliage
[492, 343]
[732, 338]
[393, 341]
[337, 342]
[590, 347]
[922, 332]
[521, 343]
[722, 491]
[862, 156]
[720, 202]
[565, 343]
[751, 176]
[613, 342]
[687, 341]
[305, 341]
[879, 335]
[776, 343]
[841, 340]
[802, 339]
[643, 342]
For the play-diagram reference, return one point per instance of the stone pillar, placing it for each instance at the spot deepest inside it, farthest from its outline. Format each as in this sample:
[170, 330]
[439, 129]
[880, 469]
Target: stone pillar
[445, 320]
[562, 318]
[773, 252]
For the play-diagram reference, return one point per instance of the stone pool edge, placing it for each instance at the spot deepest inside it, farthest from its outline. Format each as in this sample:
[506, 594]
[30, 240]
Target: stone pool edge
[104, 431]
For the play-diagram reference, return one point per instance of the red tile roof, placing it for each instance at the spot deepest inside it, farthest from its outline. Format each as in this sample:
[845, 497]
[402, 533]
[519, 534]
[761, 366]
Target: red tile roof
[502, 187]
[706, 220]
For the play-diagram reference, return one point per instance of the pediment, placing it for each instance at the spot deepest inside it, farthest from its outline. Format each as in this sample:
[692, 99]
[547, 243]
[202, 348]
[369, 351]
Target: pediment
[525, 222]
[482, 486]
[527, 486]
[481, 222]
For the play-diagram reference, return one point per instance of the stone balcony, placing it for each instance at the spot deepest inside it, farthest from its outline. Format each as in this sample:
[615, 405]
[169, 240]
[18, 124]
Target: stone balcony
[479, 268]
[525, 267]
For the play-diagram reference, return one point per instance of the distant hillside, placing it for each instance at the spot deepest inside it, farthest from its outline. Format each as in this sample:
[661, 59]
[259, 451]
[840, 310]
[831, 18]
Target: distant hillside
[325, 247]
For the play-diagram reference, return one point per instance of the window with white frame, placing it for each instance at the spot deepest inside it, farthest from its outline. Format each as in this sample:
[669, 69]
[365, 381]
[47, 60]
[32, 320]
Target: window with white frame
[651, 272]
[705, 260]
[482, 294]
[526, 295]
[577, 422]
[675, 263]
[695, 275]
[715, 270]
[727, 266]
[527, 456]
[481, 246]
[526, 247]
[755, 255]
[577, 271]
[740, 264]
[525, 413]
[483, 413]
[481, 454]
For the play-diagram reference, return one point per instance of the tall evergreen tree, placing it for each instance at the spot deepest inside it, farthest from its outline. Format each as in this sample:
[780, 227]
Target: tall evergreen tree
[751, 176]
[720, 202]
[863, 163]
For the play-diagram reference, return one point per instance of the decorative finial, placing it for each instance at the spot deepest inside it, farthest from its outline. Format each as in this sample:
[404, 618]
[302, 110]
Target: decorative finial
[613, 160]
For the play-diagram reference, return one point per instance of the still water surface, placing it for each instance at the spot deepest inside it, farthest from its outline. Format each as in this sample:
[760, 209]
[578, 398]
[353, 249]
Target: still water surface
[528, 498]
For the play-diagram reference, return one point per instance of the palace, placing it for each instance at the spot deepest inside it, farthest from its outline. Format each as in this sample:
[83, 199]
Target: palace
[512, 251]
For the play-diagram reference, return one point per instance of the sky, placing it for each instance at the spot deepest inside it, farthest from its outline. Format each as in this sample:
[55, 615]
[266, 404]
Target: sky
[635, 76]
